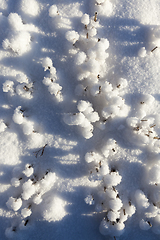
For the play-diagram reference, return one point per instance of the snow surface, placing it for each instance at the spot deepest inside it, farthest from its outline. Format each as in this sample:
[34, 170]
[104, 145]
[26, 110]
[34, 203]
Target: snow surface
[79, 119]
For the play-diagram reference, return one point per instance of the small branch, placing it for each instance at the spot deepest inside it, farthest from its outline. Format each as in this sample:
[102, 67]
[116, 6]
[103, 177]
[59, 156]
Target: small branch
[95, 16]
[154, 49]
[40, 150]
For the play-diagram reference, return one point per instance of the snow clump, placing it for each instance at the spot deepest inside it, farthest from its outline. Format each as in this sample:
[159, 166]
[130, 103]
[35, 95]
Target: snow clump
[104, 7]
[51, 79]
[84, 118]
[18, 43]
[107, 198]
[18, 116]
[85, 19]
[141, 199]
[14, 203]
[15, 22]
[24, 88]
[54, 209]
[32, 188]
[8, 87]
[30, 7]
[142, 52]
[3, 126]
[53, 11]
[72, 36]
[18, 39]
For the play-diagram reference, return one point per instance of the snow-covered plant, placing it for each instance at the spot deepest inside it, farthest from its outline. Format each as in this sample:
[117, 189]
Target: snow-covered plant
[31, 187]
[53, 11]
[90, 61]
[84, 118]
[104, 7]
[72, 36]
[143, 129]
[51, 80]
[14, 203]
[8, 87]
[116, 208]
[19, 43]
[19, 118]
[18, 39]
[24, 88]
[15, 22]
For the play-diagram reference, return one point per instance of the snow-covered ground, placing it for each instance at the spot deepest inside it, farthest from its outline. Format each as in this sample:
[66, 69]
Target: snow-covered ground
[79, 119]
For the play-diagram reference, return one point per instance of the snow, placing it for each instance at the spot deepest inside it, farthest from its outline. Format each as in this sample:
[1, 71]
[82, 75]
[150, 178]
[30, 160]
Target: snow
[79, 119]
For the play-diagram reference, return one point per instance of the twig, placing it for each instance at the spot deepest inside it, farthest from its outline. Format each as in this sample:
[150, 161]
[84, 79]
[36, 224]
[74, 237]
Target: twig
[95, 16]
[41, 149]
[154, 49]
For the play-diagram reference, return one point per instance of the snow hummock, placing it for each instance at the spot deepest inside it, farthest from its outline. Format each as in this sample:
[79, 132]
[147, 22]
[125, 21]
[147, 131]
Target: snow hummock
[55, 210]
